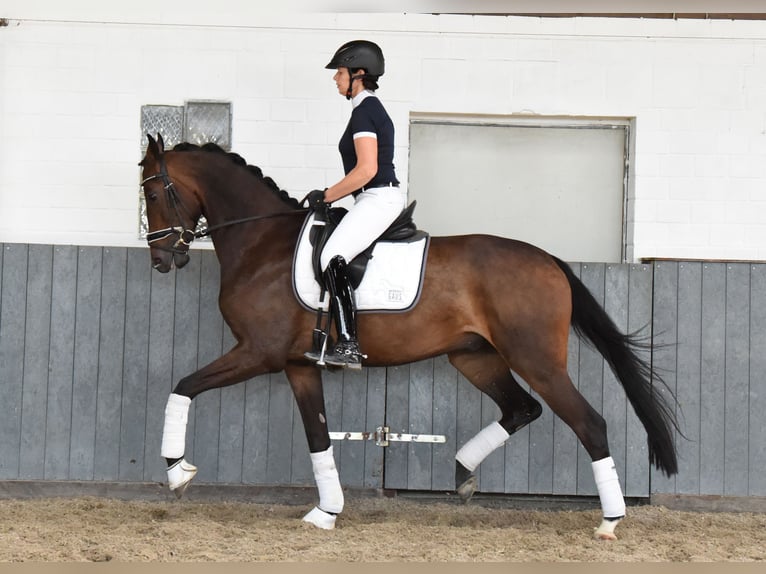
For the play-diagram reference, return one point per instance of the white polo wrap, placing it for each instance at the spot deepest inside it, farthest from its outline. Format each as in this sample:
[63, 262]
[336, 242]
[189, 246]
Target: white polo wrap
[174, 433]
[608, 485]
[327, 480]
[482, 445]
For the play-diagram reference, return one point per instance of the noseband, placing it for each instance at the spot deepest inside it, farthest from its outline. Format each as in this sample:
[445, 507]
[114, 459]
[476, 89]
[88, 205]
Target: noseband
[185, 236]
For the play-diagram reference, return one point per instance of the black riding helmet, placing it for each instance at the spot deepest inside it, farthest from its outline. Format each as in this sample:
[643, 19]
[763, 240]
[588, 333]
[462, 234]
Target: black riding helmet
[359, 54]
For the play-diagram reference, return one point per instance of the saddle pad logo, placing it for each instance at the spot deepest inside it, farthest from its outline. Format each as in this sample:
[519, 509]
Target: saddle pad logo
[392, 282]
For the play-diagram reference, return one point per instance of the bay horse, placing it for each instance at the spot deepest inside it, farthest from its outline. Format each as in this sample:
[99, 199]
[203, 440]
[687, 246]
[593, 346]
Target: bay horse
[492, 305]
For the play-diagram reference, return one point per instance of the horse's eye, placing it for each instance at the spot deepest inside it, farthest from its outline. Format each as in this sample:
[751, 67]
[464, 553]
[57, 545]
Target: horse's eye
[151, 196]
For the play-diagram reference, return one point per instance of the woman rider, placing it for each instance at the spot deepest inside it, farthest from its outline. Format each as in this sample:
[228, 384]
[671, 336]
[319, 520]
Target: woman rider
[367, 151]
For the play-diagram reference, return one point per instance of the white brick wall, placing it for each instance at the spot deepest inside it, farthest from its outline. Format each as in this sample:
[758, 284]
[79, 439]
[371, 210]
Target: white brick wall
[71, 93]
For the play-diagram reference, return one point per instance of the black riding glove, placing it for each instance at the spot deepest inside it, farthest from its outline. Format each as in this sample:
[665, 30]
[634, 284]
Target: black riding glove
[316, 199]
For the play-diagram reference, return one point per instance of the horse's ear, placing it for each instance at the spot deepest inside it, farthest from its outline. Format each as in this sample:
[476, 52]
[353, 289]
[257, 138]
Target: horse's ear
[152, 150]
[160, 143]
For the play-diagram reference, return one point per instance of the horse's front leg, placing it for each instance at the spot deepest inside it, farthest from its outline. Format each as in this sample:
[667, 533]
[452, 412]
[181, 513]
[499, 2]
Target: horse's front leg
[236, 366]
[306, 383]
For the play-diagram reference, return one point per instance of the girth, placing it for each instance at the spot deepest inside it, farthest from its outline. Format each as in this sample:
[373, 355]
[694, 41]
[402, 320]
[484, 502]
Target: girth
[402, 229]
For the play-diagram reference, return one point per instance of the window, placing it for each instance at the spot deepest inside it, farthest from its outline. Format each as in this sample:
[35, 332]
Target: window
[558, 183]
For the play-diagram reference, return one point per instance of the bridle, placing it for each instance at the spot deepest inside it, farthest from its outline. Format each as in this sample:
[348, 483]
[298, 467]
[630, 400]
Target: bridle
[187, 236]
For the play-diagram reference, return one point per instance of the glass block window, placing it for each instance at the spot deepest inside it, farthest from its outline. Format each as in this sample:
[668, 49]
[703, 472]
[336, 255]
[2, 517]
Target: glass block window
[208, 122]
[197, 122]
[165, 120]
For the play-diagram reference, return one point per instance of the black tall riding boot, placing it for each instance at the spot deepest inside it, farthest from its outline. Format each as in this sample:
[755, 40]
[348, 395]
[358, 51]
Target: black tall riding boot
[346, 352]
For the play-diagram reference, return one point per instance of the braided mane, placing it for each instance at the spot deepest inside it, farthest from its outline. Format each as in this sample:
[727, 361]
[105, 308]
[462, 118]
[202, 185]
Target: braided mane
[239, 160]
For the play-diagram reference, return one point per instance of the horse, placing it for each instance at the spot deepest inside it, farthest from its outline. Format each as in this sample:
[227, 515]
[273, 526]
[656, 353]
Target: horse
[495, 306]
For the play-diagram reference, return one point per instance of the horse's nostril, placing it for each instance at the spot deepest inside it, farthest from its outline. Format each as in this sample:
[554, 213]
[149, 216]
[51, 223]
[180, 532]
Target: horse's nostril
[157, 261]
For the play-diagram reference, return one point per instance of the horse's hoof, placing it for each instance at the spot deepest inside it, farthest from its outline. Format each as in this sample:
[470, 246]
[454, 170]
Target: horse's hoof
[606, 530]
[320, 519]
[179, 492]
[467, 489]
[605, 536]
[180, 475]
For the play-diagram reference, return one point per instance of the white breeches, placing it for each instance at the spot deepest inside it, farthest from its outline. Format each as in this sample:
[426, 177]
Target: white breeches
[373, 211]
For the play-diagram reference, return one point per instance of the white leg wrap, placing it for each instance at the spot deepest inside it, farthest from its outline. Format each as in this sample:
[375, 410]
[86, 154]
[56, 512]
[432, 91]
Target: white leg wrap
[174, 433]
[327, 480]
[609, 491]
[482, 445]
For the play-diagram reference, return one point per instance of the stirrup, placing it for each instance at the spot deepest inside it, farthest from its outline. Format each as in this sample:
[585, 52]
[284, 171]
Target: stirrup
[320, 341]
[346, 354]
[316, 357]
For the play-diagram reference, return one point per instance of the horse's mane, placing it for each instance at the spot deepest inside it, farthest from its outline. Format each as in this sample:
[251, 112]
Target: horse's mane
[239, 160]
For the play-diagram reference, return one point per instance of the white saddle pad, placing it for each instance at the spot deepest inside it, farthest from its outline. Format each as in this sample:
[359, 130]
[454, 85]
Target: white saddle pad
[392, 282]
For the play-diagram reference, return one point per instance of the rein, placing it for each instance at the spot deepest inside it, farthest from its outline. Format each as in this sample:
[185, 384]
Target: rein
[208, 230]
[187, 236]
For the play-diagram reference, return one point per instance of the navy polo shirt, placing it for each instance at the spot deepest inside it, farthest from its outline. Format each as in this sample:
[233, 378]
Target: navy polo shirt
[370, 119]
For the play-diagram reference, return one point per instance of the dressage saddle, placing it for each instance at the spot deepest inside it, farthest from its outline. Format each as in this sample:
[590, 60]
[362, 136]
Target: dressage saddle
[402, 229]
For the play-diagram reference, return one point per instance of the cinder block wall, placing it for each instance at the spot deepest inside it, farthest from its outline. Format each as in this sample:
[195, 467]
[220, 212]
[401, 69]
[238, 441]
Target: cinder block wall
[71, 93]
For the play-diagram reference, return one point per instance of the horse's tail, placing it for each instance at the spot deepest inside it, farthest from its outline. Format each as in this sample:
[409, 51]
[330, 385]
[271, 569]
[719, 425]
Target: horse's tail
[590, 321]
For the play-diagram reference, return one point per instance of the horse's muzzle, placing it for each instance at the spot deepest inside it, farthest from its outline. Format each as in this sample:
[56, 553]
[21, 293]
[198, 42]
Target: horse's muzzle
[164, 261]
[161, 265]
[180, 259]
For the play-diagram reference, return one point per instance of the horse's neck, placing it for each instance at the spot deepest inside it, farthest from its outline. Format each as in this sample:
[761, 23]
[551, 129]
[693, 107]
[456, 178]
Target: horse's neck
[239, 197]
[250, 240]
[260, 250]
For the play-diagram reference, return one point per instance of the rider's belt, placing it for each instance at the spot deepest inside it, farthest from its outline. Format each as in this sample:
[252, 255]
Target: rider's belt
[379, 185]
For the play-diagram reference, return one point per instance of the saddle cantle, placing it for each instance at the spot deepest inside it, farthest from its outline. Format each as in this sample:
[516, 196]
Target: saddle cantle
[402, 229]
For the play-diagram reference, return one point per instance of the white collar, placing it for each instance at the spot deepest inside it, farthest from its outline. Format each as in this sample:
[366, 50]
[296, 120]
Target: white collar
[361, 96]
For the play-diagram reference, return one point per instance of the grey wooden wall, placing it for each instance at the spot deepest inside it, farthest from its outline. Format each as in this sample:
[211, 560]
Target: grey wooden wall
[710, 338]
[92, 341]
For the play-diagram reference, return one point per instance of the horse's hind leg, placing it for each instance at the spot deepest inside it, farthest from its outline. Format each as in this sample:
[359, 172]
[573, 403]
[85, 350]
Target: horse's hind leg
[590, 427]
[555, 387]
[487, 371]
[547, 375]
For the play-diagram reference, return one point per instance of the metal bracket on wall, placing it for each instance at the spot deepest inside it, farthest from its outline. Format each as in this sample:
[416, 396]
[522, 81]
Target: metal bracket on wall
[383, 435]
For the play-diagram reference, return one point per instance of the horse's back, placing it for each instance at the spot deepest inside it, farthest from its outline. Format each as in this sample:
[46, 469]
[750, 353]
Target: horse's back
[491, 252]
[496, 276]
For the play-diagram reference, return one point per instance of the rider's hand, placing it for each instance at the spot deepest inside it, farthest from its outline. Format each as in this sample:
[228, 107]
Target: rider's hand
[316, 199]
